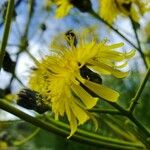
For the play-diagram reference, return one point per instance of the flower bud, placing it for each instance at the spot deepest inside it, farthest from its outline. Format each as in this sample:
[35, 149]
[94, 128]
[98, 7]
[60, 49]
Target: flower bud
[82, 5]
[32, 100]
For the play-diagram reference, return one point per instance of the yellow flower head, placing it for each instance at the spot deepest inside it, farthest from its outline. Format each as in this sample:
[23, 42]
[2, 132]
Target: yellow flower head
[63, 9]
[67, 79]
[3, 145]
[110, 9]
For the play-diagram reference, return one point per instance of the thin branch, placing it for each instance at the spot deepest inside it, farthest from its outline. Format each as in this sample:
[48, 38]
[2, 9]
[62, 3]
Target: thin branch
[138, 42]
[94, 14]
[19, 80]
[130, 116]
[25, 140]
[139, 92]
[106, 111]
[6, 30]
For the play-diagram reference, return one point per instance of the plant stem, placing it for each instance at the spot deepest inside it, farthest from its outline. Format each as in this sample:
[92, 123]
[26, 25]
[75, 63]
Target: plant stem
[139, 125]
[32, 57]
[9, 13]
[139, 92]
[19, 81]
[119, 130]
[25, 140]
[138, 42]
[87, 134]
[94, 14]
[118, 107]
[80, 136]
[106, 111]
[130, 116]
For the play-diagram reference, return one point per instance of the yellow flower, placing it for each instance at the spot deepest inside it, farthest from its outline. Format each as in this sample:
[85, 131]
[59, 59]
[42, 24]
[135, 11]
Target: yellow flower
[110, 9]
[64, 7]
[3, 145]
[144, 5]
[59, 78]
[48, 4]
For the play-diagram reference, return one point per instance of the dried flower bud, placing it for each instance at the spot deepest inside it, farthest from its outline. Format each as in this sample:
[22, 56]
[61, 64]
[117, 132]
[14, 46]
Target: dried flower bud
[43, 26]
[127, 6]
[8, 64]
[82, 5]
[32, 100]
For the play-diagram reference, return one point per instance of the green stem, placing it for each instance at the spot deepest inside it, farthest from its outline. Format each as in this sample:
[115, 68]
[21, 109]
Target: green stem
[89, 134]
[120, 131]
[139, 92]
[80, 136]
[6, 30]
[130, 116]
[138, 42]
[139, 125]
[25, 140]
[32, 57]
[94, 14]
[19, 80]
[118, 107]
[31, 11]
[106, 111]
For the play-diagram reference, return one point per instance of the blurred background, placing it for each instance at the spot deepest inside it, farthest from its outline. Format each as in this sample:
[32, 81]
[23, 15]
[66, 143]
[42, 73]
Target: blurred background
[33, 28]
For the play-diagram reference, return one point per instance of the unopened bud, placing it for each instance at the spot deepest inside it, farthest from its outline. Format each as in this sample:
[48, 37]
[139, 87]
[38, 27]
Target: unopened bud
[82, 5]
[32, 100]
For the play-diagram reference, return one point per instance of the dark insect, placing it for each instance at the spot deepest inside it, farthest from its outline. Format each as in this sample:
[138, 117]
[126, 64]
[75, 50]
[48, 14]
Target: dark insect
[32, 100]
[71, 37]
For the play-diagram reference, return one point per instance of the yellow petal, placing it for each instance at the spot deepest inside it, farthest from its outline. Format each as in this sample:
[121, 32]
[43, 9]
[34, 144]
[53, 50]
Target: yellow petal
[67, 107]
[117, 45]
[113, 71]
[73, 125]
[134, 13]
[94, 120]
[100, 70]
[102, 91]
[79, 113]
[130, 54]
[112, 55]
[72, 120]
[122, 65]
[106, 7]
[62, 10]
[85, 97]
